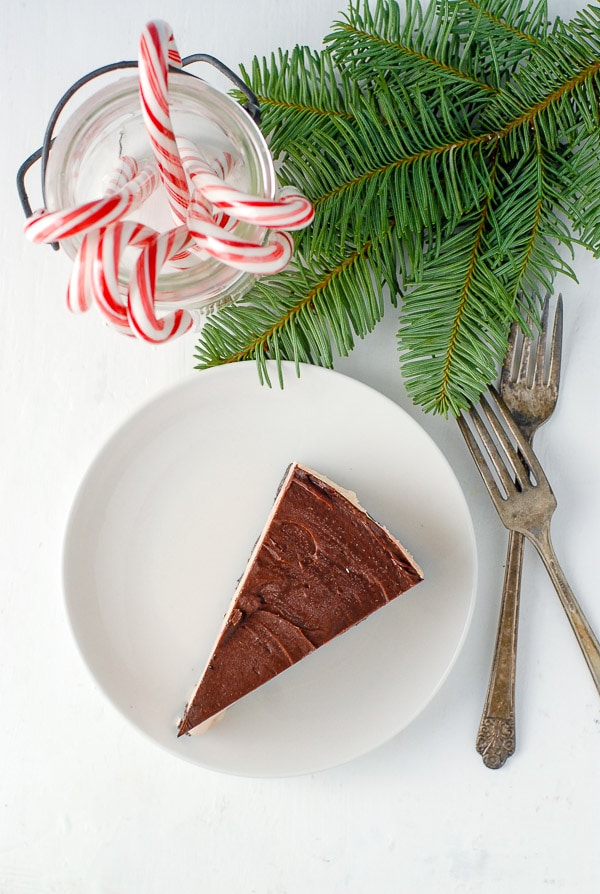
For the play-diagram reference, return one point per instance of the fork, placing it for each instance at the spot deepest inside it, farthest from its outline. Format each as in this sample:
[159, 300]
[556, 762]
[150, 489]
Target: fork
[530, 393]
[524, 501]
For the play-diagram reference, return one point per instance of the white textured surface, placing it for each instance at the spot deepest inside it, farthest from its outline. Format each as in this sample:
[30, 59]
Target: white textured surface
[86, 803]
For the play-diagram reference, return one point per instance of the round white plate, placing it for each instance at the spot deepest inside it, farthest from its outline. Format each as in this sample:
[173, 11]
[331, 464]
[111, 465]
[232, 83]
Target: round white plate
[165, 520]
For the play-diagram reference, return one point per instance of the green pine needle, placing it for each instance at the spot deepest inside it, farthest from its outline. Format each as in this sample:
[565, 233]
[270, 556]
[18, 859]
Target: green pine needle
[451, 150]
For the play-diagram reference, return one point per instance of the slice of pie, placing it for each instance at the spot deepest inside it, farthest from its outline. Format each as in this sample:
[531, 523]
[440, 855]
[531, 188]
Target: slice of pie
[320, 566]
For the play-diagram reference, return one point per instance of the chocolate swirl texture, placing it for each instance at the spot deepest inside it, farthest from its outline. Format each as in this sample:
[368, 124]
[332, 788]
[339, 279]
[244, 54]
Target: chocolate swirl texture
[321, 565]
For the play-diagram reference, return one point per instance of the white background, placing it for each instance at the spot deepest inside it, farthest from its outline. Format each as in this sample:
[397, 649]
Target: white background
[86, 803]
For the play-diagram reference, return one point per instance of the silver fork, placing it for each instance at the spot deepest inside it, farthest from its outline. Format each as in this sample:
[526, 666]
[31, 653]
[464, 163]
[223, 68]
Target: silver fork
[524, 501]
[530, 392]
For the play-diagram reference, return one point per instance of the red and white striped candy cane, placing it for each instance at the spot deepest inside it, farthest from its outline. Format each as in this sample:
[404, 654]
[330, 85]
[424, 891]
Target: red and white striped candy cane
[95, 274]
[223, 165]
[225, 246]
[52, 226]
[125, 170]
[80, 291]
[140, 304]
[290, 211]
[157, 50]
[109, 296]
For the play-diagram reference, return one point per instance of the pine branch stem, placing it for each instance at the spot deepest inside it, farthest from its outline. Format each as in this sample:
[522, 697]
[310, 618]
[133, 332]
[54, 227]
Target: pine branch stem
[261, 343]
[444, 392]
[515, 32]
[377, 39]
[269, 101]
[527, 117]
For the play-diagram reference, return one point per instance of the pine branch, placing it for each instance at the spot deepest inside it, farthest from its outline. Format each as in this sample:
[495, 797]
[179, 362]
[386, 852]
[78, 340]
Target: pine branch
[298, 91]
[393, 158]
[319, 305]
[452, 157]
[578, 190]
[497, 266]
[507, 19]
[373, 45]
[561, 101]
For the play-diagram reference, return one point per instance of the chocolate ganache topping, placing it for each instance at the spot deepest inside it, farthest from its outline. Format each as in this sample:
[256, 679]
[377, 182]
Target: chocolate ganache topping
[321, 565]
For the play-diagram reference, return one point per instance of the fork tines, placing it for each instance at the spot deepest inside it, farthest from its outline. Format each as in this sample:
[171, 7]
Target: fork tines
[518, 367]
[508, 453]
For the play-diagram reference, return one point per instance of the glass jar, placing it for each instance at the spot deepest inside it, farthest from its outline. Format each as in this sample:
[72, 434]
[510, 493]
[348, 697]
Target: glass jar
[109, 124]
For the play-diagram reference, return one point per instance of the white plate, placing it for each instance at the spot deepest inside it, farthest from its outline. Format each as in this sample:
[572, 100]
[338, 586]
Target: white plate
[165, 520]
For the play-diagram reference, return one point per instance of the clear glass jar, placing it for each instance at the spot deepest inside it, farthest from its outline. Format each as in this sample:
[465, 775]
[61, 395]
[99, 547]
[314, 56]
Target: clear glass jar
[109, 124]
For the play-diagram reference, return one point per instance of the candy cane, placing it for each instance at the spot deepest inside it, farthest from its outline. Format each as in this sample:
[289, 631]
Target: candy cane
[52, 226]
[223, 165]
[290, 211]
[109, 297]
[233, 251]
[140, 305]
[88, 283]
[201, 201]
[95, 274]
[210, 235]
[126, 169]
[157, 50]
[80, 291]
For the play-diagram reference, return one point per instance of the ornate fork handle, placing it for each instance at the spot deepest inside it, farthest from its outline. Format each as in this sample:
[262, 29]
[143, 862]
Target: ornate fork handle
[584, 634]
[496, 739]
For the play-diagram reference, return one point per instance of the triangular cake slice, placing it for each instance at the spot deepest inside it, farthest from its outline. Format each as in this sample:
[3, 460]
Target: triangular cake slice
[320, 566]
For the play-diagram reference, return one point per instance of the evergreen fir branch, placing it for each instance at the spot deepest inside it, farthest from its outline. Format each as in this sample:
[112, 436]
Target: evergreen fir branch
[320, 306]
[577, 189]
[445, 352]
[298, 91]
[398, 156]
[426, 183]
[417, 167]
[527, 235]
[560, 102]
[376, 44]
[453, 322]
[499, 34]
[497, 267]
[509, 20]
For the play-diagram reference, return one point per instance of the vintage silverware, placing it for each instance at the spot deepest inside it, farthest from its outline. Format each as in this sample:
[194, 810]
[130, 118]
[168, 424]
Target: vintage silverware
[529, 384]
[524, 501]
